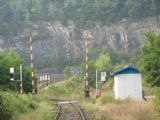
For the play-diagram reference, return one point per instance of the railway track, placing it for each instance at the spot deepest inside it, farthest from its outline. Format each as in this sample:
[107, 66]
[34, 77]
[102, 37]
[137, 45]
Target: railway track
[68, 110]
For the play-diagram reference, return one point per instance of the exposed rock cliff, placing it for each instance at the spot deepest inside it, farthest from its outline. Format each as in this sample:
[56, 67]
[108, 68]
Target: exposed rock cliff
[54, 41]
[126, 35]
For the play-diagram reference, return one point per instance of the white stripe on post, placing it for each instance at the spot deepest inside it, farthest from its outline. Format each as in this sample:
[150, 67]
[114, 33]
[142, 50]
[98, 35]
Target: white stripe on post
[31, 48]
[86, 75]
[31, 57]
[86, 67]
[31, 60]
[86, 85]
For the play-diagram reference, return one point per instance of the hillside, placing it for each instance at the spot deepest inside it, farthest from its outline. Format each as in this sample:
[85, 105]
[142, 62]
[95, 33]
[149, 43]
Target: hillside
[50, 70]
[57, 27]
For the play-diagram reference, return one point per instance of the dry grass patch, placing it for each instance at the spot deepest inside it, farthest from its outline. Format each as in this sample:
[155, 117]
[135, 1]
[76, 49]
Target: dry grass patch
[131, 111]
[41, 113]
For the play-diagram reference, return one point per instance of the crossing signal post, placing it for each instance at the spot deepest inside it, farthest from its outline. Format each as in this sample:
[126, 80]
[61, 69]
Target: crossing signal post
[86, 37]
[34, 81]
[12, 77]
[11, 74]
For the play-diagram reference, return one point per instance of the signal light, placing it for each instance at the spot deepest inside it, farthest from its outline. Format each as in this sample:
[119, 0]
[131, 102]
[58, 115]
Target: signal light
[11, 74]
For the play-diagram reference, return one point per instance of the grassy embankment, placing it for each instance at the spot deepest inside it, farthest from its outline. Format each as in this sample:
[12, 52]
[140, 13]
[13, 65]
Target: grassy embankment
[25, 107]
[39, 107]
[105, 107]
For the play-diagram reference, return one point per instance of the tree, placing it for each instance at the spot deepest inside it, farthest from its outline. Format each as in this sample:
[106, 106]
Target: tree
[12, 59]
[103, 63]
[151, 59]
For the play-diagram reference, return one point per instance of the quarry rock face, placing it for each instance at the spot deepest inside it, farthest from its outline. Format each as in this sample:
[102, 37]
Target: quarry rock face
[53, 39]
[126, 35]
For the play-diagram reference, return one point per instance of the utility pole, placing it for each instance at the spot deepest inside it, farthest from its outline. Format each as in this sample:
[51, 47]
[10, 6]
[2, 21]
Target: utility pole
[31, 62]
[86, 37]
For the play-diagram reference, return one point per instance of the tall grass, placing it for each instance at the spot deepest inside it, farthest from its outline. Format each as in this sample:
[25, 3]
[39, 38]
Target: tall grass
[157, 100]
[25, 107]
[4, 111]
[72, 87]
[14, 105]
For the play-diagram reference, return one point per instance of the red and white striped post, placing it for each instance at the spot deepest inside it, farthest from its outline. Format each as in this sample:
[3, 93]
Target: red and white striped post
[21, 87]
[86, 77]
[31, 62]
[47, 79]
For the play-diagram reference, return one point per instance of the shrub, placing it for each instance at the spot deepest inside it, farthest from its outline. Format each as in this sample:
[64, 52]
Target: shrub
[67, 72]
[5, 113]
[56, 90]
[73, 85]
[157, 100]
[107, 98]
[12, 105]
[49, 116]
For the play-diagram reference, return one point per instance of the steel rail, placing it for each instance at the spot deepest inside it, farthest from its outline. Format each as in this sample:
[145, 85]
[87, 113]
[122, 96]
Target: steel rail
[80, 111]
[59, 112]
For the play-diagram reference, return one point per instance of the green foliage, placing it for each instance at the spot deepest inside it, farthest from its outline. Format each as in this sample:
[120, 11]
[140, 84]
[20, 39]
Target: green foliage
[84, 13]
[12, 59]
[56, 90]
[107, 98]
[157, 100]
[15, 15]
[113, 60]
[103, 63]
[74, 85]
[151, 59]
[49, 116]
[67, 72]
[71, 86]
[4, 111]
[119, 66]
[13, 105]
[27, 80]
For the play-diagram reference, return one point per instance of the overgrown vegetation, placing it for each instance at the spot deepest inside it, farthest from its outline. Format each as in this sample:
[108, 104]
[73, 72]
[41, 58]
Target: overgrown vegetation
[151, 59]
[151, 64]
[17, 16]
[67, 72]
[4, 111]
[26, 107]
[108, 62]
[157, 100]
[13, 105]
[12, 59]
[103, 63]
[69, 87]
[104, 107]
[84, 13]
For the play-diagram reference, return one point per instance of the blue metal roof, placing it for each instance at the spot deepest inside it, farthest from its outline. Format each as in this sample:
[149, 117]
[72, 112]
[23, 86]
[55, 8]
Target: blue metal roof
[125, 70]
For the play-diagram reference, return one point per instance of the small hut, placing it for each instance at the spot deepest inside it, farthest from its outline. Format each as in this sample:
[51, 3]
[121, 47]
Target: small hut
[127, 83]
